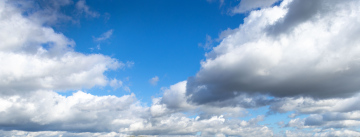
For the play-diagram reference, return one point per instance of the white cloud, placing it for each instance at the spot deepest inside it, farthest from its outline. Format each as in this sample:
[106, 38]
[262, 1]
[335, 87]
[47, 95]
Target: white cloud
[154, 80]
[36, 60]
[35, 57]
[325, 113]
[83, 112]
[78, 112]
[106, 35]
[314, 55]
[309, 106]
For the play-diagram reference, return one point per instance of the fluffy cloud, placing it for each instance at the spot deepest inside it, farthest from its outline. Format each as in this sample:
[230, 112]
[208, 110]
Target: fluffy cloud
[315, 54]
[324, 114]
[174, 99]
[83, 112]
[46, 110]
[309, 106]
[37, 61]
[34, 57]
[304, 64]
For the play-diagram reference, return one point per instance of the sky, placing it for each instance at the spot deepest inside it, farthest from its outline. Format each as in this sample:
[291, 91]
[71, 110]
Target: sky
[180, 68]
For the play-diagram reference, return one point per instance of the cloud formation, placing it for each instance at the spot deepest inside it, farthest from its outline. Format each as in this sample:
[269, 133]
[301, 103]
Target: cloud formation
[306, 66]
[154, 80]
[315, 56]
[37, 61]
[106, 35]
[83, 112]
[83, 8]
[35, 57]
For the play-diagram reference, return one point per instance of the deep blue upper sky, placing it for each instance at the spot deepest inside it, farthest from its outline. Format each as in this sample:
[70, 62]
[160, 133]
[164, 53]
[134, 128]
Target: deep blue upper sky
[161, 37]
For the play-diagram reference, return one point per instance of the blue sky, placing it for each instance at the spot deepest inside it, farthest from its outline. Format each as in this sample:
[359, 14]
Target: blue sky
[244, 68]
[162, 38]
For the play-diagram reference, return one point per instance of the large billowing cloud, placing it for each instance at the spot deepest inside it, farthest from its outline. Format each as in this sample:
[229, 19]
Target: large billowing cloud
[299, 48]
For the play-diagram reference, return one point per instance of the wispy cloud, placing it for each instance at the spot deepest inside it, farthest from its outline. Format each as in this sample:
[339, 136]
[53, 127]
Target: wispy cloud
[106, 35]
[247, 5]
[83, 8]
[154, 80]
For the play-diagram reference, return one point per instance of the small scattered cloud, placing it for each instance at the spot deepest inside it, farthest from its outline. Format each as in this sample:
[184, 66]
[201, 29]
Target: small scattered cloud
[248, 5]
[107, 17]
[115, 84]
[106, 35]
[130, 64]
[154, 80]
[83, 8]
[208, 44]
[221, 2]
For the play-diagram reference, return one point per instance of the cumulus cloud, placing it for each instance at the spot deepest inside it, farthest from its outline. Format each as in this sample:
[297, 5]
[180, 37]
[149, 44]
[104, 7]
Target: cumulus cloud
[83, 112]
[324, 113]
[309, 106]
[304, 65]
[46, 12]
[35, 57]
[174, 99]
[317, 56]
[47, 110]
[321, 121]
[37, 61]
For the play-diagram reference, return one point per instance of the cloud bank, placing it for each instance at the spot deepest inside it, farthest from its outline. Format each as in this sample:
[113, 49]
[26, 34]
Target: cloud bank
[283, 51]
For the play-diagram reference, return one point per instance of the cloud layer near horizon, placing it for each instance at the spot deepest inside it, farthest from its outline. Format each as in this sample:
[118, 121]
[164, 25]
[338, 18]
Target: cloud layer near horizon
[305, 61]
